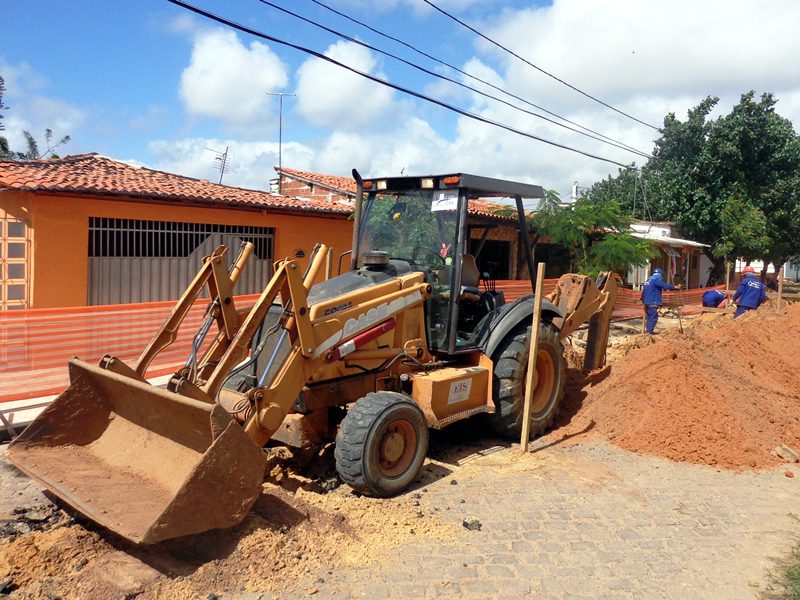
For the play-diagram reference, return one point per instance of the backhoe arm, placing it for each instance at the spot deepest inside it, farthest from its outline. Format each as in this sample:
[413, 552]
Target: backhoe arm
[579, 300]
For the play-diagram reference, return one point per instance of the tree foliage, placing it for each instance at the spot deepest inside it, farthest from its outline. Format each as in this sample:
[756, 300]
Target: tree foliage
[595, 233]
[731, 182]
[744, 229]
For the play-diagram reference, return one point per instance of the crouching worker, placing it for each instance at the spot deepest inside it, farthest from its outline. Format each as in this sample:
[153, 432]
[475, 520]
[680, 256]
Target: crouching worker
[651, 298]
[750, 294]
[715, 299]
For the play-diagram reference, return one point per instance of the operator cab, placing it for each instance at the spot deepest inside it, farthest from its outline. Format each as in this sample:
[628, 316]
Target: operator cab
[420, 224]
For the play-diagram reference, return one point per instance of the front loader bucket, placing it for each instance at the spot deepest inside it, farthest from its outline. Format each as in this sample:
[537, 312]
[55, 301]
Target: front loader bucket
[144, 462]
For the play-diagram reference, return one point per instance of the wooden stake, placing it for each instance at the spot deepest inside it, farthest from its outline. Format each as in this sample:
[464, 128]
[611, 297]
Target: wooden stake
[532, 378]
[780, 287]
[727, 275]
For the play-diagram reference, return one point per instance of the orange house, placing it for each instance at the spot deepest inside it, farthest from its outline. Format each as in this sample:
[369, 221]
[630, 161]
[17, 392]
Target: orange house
[88, 230]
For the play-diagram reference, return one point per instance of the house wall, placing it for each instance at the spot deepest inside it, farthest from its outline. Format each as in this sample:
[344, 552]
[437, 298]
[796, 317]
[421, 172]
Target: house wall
[705, 264]
[301, 189]
[60, 232]
[791, 271]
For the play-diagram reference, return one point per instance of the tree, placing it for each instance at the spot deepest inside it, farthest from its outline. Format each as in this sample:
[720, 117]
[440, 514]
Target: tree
[706, 174]
[743, 231]
[32, 153]
[4, 149]
[595, 233]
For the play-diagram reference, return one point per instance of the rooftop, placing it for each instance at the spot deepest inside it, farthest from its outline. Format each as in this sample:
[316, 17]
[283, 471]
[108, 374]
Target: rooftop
[344, 185]
[92, 174]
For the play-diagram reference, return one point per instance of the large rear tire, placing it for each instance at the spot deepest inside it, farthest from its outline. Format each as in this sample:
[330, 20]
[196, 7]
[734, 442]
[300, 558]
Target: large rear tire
[381, 444]
[509, 379]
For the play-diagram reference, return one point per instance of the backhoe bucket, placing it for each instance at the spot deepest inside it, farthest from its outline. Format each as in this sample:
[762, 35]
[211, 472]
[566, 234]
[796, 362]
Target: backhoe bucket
[144, 462]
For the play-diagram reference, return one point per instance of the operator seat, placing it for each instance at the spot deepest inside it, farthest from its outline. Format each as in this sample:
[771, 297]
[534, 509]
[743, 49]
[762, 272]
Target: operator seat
[470, 278]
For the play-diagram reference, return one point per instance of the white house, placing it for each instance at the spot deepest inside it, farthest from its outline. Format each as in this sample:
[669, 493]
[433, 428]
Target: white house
[681, 259]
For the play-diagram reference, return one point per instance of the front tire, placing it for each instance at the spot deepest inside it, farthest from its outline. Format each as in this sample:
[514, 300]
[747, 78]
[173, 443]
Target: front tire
[381, 444]
[508, 386]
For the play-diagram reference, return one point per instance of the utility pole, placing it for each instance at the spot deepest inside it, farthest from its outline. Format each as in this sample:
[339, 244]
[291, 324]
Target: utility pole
[280, 96]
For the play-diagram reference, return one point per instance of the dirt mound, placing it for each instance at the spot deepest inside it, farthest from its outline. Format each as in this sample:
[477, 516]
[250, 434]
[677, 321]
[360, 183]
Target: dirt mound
[724, 396]
[708, 321]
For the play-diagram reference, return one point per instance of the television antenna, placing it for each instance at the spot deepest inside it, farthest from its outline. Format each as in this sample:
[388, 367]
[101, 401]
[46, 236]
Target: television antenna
[220, 161]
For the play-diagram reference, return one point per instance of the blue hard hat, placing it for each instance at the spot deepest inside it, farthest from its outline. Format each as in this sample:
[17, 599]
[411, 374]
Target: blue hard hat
[659, 271]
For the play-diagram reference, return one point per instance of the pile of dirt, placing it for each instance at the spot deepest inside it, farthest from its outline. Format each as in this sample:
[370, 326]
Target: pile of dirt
[725, 393]
[709, 321]
[297, 533]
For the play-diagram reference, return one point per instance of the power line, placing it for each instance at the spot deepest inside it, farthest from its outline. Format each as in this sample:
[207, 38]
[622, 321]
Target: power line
[529, 63]
[473, 77]
[445, 78]
[404, 90]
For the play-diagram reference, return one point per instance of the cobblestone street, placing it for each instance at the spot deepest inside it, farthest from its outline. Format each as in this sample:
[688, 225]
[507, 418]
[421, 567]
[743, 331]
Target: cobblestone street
[592, 521]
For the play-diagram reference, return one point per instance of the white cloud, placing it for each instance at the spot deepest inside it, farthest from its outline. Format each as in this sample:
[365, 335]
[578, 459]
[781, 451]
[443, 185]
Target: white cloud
[228, 81]
[30, 109]
[329, 96]
[413, 147]
[250, 164]
[647, 59]
[621, 49]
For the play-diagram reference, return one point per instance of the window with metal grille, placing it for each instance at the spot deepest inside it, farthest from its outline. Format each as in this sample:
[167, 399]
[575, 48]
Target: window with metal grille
[136, 238]
[14, 252]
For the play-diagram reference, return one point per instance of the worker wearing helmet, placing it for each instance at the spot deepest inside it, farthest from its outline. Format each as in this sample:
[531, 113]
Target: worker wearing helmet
[715, 298]
[651, 298]
[750, 294]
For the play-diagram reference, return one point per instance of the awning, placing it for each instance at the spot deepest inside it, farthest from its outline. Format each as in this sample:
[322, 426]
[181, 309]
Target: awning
[669, 241]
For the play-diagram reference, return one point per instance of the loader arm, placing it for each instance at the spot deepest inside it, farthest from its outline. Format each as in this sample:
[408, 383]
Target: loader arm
[314, 341]
[580, 299]
[220, 284]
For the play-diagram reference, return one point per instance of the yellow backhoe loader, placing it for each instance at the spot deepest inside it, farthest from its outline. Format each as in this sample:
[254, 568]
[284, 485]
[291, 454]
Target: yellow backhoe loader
[406, 340]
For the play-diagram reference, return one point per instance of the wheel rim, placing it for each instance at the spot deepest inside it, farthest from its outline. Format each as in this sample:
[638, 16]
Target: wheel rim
[546, 381]
[396, 448]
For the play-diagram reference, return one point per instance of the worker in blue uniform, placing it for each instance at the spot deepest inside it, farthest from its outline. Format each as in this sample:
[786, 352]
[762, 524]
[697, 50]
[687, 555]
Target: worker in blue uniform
[750, 294]
[715, 298]
[651, 298]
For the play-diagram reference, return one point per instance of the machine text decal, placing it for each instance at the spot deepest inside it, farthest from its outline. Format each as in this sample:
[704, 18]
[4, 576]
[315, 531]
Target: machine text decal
[459, 391]
[372, 317]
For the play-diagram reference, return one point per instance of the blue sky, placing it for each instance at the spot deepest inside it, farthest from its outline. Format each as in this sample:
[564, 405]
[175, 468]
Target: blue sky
[150, 83]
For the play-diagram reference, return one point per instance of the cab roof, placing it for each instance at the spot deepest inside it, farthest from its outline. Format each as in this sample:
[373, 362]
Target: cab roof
[475, 185]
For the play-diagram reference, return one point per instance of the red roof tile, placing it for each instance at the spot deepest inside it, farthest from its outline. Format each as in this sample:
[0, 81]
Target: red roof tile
[493, 210]
[347, 185]
[97, 175]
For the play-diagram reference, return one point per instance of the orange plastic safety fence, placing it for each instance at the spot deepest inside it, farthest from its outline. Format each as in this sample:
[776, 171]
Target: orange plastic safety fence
[35, 344]
[628, 304]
